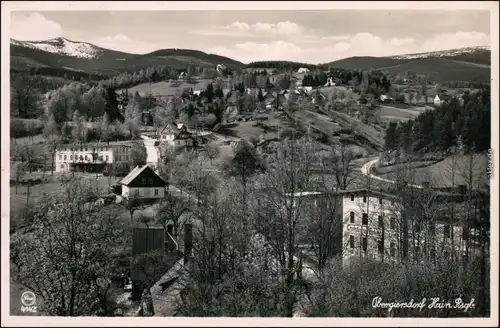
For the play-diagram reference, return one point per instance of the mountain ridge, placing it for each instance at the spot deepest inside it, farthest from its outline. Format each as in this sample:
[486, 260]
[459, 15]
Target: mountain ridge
[62, 53]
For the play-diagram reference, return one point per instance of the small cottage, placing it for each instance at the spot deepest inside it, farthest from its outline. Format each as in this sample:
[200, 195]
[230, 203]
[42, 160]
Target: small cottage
[143, 183]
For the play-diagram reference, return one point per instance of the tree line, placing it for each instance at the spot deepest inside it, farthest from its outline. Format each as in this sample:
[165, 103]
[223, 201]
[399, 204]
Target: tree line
[453, 125]
[281, 65]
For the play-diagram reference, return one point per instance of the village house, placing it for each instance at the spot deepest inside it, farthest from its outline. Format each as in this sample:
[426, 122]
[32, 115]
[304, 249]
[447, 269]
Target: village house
[177, 136]
[143, 183]
[441, 98]
[330, 82]
[303, 70]
[386, 98]
[307, 90]
[221, 68]
[93, 157]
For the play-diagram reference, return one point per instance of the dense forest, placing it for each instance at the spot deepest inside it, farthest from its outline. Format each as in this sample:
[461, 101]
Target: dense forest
[280, 65]
[453, 124]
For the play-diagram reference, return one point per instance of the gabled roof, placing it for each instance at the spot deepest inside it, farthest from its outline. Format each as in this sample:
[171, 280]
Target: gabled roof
[135, 173]
[170, 127]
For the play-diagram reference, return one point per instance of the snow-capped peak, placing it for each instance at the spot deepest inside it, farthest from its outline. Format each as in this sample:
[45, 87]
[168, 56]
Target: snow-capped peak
[62, 46]
[443, 53]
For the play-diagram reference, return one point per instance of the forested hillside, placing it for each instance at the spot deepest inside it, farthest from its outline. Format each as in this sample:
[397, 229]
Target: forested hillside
[466, 126]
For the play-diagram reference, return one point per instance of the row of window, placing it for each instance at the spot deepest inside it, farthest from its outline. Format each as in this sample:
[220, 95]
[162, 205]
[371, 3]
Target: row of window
[82, 157]
[380, 244]
[156, 192]
[365, 199]
[85, 149]
[392, 248]
[122, 158]
[364, 220]
[416, 228]
[94, 149]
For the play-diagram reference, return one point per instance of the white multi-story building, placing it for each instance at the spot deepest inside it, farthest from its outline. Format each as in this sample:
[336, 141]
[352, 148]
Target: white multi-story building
[373, 226]
[92, 157]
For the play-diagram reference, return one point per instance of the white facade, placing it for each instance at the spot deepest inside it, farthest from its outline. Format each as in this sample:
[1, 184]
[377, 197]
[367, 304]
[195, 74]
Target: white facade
[371, 228]
[437, 101]
[329, 82]
[303, 70]
[83, 154]
[143, 192]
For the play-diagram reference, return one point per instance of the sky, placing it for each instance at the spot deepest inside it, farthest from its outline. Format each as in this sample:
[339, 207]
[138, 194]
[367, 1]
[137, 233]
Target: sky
[318, 36]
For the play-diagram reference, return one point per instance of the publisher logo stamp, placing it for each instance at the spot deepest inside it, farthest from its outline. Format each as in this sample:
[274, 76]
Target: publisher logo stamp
[28, 301]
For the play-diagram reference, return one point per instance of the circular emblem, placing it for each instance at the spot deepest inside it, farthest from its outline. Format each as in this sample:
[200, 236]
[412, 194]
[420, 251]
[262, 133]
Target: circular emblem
[28, 298]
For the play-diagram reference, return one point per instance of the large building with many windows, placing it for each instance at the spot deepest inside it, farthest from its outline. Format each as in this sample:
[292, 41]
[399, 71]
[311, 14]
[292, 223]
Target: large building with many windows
[93, 157]
[376, 225]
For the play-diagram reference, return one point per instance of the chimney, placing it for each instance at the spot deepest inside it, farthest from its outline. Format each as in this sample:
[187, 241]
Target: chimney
[188, 241]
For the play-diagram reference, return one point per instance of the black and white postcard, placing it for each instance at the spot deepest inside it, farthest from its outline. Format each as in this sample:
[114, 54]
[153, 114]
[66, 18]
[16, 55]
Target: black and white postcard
[285, 163]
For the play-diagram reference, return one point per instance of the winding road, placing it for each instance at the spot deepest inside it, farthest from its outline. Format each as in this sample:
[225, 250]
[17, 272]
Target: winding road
[151, 150]
[366, 170]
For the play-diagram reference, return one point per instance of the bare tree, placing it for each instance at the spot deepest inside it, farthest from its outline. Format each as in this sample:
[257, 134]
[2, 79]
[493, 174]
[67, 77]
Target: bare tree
[67, 259]
[278, 213]
[212, 151]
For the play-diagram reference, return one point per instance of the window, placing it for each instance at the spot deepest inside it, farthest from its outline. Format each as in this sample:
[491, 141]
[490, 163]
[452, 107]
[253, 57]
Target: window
[100, 157]
[64, 157]
[352, 197]
[62, 167]
[351, 241]
[393, 249]
[365, 219]
[86, 157]
[380, 247]
[447, 231]
[465, 233]
[393, 223]
[71, 149]
[150, 181]
[60, 157]
[71, 157]
[364, 243]
[156, 192]
[85, 148]
[380, 221]
[107, 158]
[93, 150]
[81, 157]
[143, 181]
[364, 199]
[380, 200]
[352, 217]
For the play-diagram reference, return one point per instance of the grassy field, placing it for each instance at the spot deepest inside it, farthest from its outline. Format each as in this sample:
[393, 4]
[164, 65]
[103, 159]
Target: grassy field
[400, 114]
[18, 201]
[440, 174]
[165, 88]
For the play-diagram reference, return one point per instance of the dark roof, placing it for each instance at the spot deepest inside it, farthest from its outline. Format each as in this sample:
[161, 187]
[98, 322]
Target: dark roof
[100, 144]
[135, 173]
